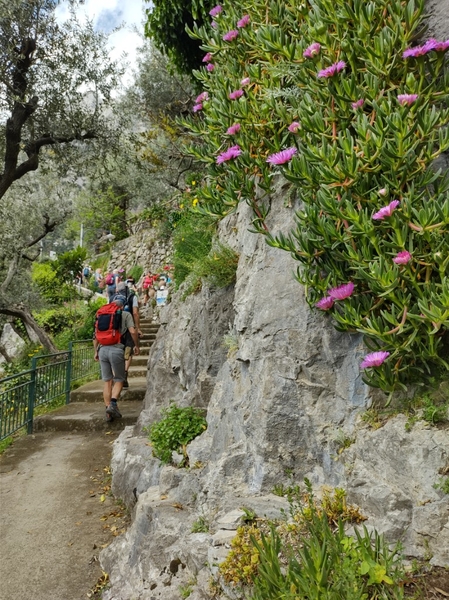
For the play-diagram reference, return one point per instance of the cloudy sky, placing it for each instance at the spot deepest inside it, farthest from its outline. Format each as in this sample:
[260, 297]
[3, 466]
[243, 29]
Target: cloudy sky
[109, 14]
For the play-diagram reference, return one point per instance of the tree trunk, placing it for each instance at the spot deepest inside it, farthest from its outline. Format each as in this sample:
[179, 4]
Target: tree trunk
[22, 313]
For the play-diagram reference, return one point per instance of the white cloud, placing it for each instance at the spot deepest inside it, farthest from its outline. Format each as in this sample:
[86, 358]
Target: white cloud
[106, 15]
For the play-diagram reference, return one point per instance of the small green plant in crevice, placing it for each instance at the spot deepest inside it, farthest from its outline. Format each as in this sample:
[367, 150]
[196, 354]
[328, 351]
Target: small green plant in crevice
[372, 418]
[343, 440]
[201, 525]
[5, 443]
[177, 427]
[430, 409]
[285, 490]
[249, 515]
[185, 590]
[442, 485]
[231, 342]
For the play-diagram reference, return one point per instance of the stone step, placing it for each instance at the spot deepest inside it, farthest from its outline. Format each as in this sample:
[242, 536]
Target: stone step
[93, 391]
[79, 416]
[137, 371]
[141, 359]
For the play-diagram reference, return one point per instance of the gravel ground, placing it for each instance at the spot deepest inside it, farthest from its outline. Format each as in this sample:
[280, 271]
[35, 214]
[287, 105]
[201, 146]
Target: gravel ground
[56, 515]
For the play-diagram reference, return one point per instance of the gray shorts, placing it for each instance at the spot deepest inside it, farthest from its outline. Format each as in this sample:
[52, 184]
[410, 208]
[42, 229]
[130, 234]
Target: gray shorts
[112, 362]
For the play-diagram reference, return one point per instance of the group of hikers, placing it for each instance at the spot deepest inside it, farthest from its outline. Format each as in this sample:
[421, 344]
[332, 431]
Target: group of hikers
[117, 329]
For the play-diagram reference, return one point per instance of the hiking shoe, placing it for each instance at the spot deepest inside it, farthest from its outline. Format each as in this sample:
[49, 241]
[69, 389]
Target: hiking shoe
[109, 418]
[113, 410]
[126, 384]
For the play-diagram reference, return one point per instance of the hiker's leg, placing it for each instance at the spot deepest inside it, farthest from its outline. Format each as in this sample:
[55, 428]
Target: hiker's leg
[107, 392]
[106, 373]
[118, 367]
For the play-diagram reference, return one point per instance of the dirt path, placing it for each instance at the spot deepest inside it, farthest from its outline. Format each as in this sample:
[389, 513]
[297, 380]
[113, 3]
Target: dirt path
[56, 515]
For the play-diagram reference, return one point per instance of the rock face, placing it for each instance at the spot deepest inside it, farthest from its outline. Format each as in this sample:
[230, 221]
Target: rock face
[281, 398]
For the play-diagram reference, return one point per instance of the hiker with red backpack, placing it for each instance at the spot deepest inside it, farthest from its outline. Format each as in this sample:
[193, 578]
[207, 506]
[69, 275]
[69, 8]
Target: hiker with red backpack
[111, 325]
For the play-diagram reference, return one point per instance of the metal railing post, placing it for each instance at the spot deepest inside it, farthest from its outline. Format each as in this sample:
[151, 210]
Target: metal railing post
[31, 396]
[68, 374]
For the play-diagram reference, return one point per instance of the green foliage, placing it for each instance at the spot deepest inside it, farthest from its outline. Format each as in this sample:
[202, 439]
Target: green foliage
[166, 26]
[192, 242]
[349, 163]
[312, 556]
[198, 256]
[431, 410]
[5, 443]
[135, 272]
[443, 485]
[174, 431]
[50, 286]
[201, 525]
[69, 264]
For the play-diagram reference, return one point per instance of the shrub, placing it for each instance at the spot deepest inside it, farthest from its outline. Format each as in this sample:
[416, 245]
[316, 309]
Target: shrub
[174, 431]
[192, 241]
[337, 97]
[312, 556]
[51, 288]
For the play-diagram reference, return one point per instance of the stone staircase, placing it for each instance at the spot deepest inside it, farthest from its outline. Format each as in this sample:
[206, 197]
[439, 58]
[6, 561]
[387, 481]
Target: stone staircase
[86, 411]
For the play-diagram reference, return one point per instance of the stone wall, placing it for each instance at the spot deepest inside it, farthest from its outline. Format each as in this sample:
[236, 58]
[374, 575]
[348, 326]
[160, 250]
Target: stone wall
[282, 402]
[145, 249]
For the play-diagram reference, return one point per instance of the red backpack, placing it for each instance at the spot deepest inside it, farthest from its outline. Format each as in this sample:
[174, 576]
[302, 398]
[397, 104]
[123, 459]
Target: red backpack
[109, 279]
[107, 324]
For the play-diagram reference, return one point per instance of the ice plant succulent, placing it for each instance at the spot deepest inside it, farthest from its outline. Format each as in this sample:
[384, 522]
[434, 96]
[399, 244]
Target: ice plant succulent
[312, 50]
[207, 57]
[229, 154]
[402, 258]
[325, 303]
[374, 359]
[358, 103]
[243, 22]
[332, 70]
[235, 95]
[230, 35]
[282, 157]
[245, 81]
[197, 107]
[216, 10]
[386, 211]
[202, 97]
[404, 99]
[342, 291]
[294, 127]
[210, 67]
[233, 129]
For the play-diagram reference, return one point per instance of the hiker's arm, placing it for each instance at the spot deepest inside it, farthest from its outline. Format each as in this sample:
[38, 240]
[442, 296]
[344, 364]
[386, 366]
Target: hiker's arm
[133, 332]
[95, 349]
[136, 318]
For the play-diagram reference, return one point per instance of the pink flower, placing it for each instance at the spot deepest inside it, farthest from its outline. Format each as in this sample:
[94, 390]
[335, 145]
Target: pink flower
[294, 127]
[214, 24]
[282, 157]
[233, 129]
[207, 57]
[230, 35]
[358, 103]
[333, 69]
[402, 258]
[229, 154]
[325, 303]
[235, 95]
[216, 10]
[245, 81]
[243, 22]
[404, 99]
[382, 192]
[202, 97]
[430, 45]
[342, 291]
[440, 46]
[312, 50]
[386, 211]
[210, 67]
[197, 107]
[375, 359]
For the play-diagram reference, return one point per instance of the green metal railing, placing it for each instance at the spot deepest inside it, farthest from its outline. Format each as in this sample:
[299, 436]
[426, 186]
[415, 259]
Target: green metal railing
[50, 377]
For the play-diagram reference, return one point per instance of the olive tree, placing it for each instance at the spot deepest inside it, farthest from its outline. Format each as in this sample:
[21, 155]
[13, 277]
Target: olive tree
[56, 112]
